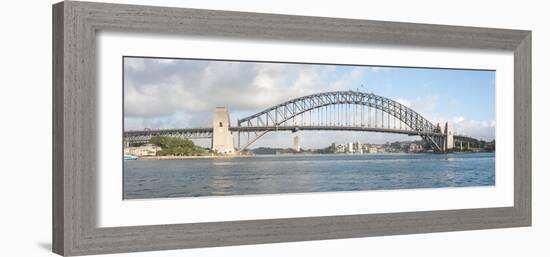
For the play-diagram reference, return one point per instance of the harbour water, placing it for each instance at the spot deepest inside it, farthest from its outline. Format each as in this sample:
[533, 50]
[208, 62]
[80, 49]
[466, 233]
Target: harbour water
[278, 174]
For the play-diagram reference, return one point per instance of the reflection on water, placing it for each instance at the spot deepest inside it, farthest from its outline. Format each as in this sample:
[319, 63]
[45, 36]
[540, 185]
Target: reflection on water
[304, 173]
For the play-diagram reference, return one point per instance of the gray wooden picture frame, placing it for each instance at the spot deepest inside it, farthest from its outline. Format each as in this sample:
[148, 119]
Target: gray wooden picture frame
[75, 25]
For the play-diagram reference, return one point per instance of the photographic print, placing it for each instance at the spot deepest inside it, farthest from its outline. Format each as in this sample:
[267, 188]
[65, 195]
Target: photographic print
[199, 128]
[280, 128]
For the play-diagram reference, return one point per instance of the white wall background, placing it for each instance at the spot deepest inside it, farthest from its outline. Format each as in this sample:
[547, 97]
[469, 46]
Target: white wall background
[25, 126]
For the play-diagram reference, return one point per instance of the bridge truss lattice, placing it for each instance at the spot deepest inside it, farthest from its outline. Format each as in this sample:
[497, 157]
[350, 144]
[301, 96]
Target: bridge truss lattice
[339, 110]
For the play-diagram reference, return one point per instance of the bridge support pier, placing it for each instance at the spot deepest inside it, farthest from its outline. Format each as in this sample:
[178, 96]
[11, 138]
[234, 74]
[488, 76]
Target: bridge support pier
[330, 111]
[222, 138]
[446, 141]
[296, 143]
[449, 136]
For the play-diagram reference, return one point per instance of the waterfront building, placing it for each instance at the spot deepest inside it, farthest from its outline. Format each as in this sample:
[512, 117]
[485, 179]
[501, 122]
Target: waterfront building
[143, 150]
[296, 144]
[365, 148]
[340, 148]
[357, 147]
[415, 147]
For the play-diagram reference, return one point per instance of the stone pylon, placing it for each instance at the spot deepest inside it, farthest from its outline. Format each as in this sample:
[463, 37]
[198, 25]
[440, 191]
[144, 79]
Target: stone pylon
[449, 136]
[222, 138]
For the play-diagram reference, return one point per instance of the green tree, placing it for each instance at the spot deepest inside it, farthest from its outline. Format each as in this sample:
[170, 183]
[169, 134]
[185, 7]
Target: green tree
[177, 146]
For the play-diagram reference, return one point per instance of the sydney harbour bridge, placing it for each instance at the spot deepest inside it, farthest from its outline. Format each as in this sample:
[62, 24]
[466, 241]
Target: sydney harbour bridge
[336, 111]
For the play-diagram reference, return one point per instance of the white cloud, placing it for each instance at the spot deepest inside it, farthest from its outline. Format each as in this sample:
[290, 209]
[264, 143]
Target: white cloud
[478, 129]
[424, 104]
[427, 106]
[159, 87]
[458, 119]
[165, 61]
[481, 129]
[403, 102]
[377, 69]
[134, 64]
[164, 93]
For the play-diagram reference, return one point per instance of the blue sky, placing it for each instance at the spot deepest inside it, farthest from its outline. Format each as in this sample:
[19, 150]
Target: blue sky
[170, 93]
[458, 93]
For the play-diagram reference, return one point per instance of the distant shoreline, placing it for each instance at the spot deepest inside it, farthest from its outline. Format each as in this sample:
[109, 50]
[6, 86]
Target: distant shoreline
[297, 154]
[191, 157]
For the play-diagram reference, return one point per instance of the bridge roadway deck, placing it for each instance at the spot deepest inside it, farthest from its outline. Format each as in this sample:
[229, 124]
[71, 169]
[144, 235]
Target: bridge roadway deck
[333, 128]
[208, 131]
[196, 133]
[149, 132]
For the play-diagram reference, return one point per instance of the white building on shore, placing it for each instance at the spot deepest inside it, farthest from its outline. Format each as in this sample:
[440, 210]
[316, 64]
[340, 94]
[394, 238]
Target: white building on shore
[296, 143]
[143, 150]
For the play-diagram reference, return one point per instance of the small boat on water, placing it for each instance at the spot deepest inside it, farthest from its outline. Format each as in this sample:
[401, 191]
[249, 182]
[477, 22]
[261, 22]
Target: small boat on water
[130, 158]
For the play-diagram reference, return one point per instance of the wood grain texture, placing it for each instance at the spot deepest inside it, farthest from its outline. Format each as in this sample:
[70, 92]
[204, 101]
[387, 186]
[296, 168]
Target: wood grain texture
[74, 124]
[522, 129]
[58, 229]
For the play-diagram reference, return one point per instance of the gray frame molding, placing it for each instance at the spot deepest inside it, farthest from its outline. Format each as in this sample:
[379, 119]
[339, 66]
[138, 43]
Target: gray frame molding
[74, 136]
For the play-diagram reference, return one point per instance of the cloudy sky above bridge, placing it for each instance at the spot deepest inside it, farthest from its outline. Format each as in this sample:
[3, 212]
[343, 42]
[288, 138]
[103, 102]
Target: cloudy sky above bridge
[180, 93]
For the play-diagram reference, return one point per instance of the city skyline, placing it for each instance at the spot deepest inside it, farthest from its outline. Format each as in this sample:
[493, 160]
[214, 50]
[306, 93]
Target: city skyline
[180, 93]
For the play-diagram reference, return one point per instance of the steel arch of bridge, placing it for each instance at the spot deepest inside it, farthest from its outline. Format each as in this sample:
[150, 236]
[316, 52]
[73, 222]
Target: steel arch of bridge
[283, 115]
